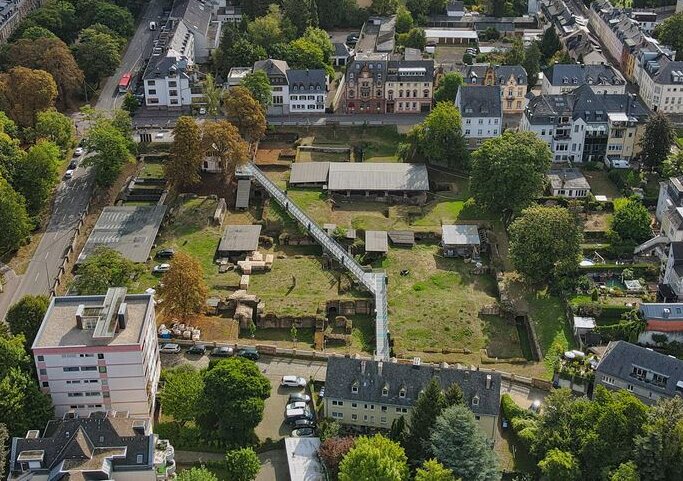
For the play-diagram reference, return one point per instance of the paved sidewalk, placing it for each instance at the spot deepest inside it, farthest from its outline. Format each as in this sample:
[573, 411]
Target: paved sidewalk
[8, 288]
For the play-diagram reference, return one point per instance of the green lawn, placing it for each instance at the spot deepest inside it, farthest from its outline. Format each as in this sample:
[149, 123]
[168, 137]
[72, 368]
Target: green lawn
[548, 315]
[436, 306]
[601, 184]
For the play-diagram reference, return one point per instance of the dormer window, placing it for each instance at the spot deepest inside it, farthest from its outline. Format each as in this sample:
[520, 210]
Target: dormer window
[402, 392]
[475, 400]
[354, 387]
[385, 390]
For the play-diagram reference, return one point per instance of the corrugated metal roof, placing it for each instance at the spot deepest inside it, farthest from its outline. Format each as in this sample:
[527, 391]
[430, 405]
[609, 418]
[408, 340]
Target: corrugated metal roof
[376, 241]
[309, 173]
[461, 234]
[405, 237]
[240, 238]
[378, 176]
[243, 189]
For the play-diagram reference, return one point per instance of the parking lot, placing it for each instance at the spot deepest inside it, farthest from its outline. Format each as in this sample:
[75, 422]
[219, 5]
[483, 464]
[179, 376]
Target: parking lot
[272, 426]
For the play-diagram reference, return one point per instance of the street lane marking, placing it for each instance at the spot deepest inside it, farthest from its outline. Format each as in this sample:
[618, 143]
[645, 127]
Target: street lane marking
[47, 254]
[37, 275]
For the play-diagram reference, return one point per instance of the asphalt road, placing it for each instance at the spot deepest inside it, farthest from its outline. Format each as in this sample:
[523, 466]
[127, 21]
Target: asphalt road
[74, 194]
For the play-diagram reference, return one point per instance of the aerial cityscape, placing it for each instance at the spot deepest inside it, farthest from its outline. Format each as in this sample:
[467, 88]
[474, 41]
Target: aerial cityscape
[341, 240]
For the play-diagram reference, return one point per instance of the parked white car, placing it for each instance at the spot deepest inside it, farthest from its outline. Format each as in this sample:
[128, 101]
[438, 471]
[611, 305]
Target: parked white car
[292, 381]
[161, 268]
[79, 151]
[169, 349]
[296, 405]
[69, 173]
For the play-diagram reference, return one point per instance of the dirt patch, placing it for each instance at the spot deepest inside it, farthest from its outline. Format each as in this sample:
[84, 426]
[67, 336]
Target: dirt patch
[213, 328]
[597, 222]
[272, 152]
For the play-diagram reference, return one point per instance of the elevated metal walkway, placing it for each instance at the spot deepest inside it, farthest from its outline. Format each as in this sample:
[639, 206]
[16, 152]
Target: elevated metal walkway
[375, 282]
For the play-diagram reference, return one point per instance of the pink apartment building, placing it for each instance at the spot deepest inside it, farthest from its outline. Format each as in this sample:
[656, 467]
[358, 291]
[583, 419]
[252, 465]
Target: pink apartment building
[99, 353]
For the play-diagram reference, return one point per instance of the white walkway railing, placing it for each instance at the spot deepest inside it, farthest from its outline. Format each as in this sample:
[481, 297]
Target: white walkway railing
[375, 282]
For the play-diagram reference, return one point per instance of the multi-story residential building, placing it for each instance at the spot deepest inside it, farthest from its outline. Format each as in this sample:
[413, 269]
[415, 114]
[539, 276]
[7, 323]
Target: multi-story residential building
[12, 12]
[409, 86]
[169, 84]
[196, 15]
[583, 47]
[647, 20]
[511, 79]
[646, 374]
[563, 78]
[581, 126]
[559, 16]
[105, 445]
[372, 394]
[97, 353]
[671, 285]
[664, 319]
[661, 82]
[307, 91]
[364, 84]
[276, 71]
[670, 198]
[481, 112]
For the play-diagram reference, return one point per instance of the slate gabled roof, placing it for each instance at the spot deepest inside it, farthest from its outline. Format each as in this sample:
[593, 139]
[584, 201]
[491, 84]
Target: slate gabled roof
[480, 101]
[343, 373]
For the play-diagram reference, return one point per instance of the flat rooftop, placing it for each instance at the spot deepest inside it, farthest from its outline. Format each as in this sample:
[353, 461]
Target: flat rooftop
[302, 459]
[60, 329]
[131, 230]
[378, 176]
[309, 173]
[240, 238]
[460, 235]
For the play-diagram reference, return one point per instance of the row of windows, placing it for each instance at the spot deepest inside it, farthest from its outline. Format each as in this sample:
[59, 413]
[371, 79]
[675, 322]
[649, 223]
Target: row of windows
[86, 394]
[320, 98]
[307, 107]
[77, 368]
[481, 121]
[83, 406]
[71, 356]
[480, 132]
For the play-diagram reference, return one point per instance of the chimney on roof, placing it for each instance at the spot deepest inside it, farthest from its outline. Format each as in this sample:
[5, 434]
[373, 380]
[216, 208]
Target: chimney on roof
[362, 367]
[416, 362]
[489, 380]
[122, 316]
[79, 316]
[140, 427]
[379, 368]
[33, 434]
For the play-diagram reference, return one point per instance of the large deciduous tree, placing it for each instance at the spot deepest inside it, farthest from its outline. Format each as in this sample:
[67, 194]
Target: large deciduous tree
[4, 443]
[544, 242]
[184, 289]
[259, 86]
[560, 465]
[271, 28]
[238, 53]
[670, 32]
[384, 7]
[333, 450]
[111, 147]
[376, 458]
[438, 139]
[97, 53]
[181, 394]
[242, 464]
[212, 94]
[630, 223]
[656, 141]
[550, 43]
[427, 408]
[222, 140]
[459, 445]
[182, 167]
[38, 174]
[53, 56]
[233, 400]
[508, 172]
[448, 87]
[24, 92]
[15, 225]
[196, 474]
[246, 112]
[58, 17]
[55, 127]
[11, 157]
[432, 470]
[26, 316]
[105, 268]
[23, 405]
[659, 449]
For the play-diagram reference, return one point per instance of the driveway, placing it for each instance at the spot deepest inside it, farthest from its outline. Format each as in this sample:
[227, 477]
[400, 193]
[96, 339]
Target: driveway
[273, 466]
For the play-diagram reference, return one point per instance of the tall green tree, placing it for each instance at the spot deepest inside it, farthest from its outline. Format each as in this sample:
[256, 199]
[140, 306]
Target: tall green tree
[508, 172]
[657, 139]
[11, 157]
[212, 94]
[38, 175]
[448, 87]
[271, 28]
[239, 53]
[426, 409]
[118, 19]
[374, 458]
[415, 38]
[631, 223]
[625, 472]
[22, 405]
[4, 451]
[14, 355]
[560, 465]
[15, 225]
[55, 127]
[321, 38]
[515, 54]
[532, 63]
[432, 470]
[544, 241]
[404, 20]
[301, 13]
[459, 445]
[36, 32]
[550, 43]
[384, 7]
[181, 395]
[98, 54]
[438, 139]
[26, 316]
[58, 17]
[673, 165]
[305, 54]
[242, 464]
[111, 151]
[233, 400]
[105, 268]
[259, 86]
[196, 474]
[659, 449]
[670, 32]
[186, 156]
